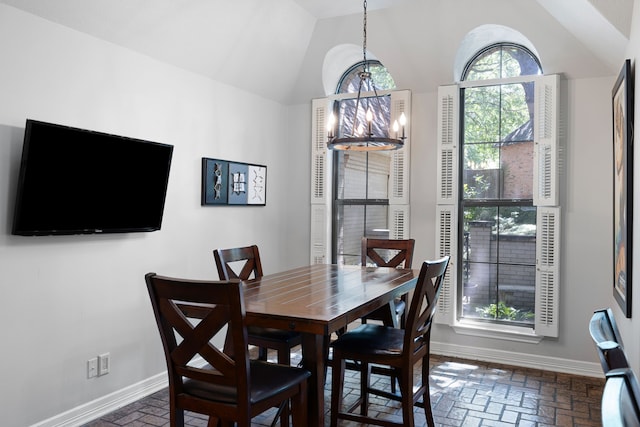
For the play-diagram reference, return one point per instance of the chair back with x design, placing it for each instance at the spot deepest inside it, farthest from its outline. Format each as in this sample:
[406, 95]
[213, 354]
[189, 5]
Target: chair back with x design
[387, 252]
[190, 315]
[238, 263]
[211, 302]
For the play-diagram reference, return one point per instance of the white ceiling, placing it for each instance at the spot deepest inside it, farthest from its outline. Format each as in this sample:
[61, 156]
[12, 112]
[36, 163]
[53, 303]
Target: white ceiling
[275, 48]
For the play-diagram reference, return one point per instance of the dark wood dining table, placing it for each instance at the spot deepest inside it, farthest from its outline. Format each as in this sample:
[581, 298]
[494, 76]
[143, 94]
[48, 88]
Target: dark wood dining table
[318, 300]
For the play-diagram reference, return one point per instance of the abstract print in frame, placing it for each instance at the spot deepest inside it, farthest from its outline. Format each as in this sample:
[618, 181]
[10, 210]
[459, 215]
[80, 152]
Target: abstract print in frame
[622, 106]
[233, 183]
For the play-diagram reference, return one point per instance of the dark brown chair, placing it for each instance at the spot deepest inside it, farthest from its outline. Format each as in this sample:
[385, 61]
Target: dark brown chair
[246, 261]
[229, 387]
[388, 253]
[620, 404]
[400, 349]
[604, 333]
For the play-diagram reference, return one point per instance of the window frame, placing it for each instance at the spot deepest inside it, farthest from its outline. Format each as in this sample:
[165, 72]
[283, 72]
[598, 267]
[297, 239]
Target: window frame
[546, 198]
[498, 202]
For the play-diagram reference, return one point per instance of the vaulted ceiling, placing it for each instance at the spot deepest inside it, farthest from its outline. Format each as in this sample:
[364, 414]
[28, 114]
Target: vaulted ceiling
[276, 48]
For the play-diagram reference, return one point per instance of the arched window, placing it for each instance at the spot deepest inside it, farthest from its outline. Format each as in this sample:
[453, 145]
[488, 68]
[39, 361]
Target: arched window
[350, 80]
[500, 61]
[356, 193]
[498, 212]
[497, 245]
[360, 179]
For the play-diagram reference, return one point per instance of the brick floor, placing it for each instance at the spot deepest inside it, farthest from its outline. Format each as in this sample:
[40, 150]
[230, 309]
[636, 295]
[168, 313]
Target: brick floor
[463, 393]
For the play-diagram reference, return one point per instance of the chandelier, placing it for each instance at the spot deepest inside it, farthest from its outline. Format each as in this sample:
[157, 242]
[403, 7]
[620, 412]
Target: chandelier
[362, 136]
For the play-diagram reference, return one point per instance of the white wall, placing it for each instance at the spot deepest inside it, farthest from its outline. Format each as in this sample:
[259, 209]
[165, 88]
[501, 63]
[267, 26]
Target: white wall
[629, 327]
[67, 299]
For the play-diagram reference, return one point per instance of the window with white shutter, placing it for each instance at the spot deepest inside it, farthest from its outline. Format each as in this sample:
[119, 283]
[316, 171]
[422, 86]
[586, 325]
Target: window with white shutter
[497, 196]
[357, 193]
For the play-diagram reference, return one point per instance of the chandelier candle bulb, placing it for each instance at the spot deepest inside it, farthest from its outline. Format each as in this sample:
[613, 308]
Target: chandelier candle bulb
[403, 121]
[369, 117]
[330, 125]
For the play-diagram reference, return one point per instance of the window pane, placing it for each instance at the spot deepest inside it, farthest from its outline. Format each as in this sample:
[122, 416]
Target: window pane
[502, 61]
[516, 112]
[518, 62]
[482, 114]
[481, 174]
[517, 235]
[351, 221]
[479, 229]
[516, 293]
[486, 66]
[355, 168]
[516, 164]
[480, 291]
[379, 74]
[380, 107]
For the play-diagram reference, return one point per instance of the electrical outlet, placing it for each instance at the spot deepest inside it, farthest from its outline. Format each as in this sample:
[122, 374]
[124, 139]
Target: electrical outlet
[92, 368]
[104, 364]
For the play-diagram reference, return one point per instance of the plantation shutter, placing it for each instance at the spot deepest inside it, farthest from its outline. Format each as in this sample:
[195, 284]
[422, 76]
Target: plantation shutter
[320, 184]
[547, 271]
[545, 171]
[447, 194]
[399, 174]
[446, 238]
[399, 222]
[448, 125]
[546, 198]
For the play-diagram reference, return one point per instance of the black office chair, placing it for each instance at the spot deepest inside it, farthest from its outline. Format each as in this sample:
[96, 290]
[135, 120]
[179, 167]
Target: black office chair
[604, 333]
[620, 405]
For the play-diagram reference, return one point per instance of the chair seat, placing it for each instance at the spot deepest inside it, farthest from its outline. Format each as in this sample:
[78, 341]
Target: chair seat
[371, 339]
[276, 335]
[267, 380]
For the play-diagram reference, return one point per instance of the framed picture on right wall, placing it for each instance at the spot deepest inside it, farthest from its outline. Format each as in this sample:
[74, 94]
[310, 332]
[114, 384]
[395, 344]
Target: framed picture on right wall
[622, 107]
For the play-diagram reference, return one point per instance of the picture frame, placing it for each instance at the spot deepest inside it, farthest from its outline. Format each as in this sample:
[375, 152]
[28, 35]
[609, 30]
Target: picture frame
[227, 183]
[622, 109]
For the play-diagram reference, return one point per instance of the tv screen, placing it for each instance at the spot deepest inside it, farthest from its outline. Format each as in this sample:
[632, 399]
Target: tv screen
[76, 181]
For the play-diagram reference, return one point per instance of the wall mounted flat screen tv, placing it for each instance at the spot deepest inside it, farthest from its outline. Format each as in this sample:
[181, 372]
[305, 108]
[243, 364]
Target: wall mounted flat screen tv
[76, 181]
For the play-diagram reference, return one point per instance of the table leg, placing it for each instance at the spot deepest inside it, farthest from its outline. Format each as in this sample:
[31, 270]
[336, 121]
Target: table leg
[314, 349]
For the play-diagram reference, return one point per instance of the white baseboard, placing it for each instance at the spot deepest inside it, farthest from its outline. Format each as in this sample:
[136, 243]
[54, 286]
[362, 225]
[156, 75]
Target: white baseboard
[95, 409]
[525, 360]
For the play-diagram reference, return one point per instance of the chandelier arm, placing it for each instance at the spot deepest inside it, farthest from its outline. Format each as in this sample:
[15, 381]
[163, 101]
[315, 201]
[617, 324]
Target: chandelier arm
[355, 114]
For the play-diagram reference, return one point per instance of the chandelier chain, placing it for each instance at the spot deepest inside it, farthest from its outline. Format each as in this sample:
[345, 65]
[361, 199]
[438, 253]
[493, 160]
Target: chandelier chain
[364, 33]
[364, 123]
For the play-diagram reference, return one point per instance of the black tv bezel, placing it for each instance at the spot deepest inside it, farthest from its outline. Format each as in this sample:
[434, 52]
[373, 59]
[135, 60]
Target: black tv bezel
[30, 231]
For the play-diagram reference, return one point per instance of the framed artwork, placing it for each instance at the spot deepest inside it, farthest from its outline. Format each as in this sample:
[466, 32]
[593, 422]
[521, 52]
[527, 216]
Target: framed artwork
[233, 183]
[622, 106]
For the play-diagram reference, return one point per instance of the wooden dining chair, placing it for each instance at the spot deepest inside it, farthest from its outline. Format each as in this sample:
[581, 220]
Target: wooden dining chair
[620, 403]
[229, 388]
[388, 253]
[606, 336]
[400, 349]
[246, 261]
